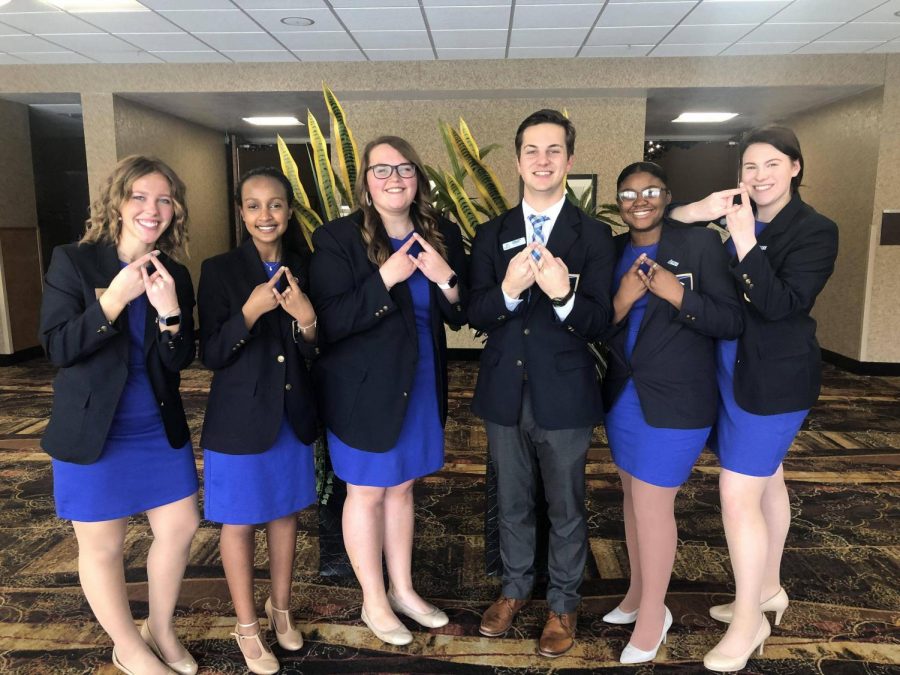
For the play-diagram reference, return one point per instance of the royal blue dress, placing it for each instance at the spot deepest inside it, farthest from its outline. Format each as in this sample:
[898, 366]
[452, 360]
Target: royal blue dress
[257, 488]
[137, 470]
[660, 456]
[753, 445]
[420, 448]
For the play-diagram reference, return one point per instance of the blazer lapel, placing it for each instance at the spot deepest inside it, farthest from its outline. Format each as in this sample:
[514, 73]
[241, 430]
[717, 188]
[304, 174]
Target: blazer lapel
[512, 229]
[565, 230]
[669, 249]
[254, 273]
[108, 260]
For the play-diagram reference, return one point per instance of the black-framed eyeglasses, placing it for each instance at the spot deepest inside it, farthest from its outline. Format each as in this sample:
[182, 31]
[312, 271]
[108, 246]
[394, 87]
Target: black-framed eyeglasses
[646, 193]
[382, 171]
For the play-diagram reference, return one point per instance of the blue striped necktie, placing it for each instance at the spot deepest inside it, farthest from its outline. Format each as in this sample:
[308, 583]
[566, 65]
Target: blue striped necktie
[537, 222]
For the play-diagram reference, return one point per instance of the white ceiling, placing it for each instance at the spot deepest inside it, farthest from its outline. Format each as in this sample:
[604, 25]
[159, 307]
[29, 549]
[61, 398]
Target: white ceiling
[210, 31]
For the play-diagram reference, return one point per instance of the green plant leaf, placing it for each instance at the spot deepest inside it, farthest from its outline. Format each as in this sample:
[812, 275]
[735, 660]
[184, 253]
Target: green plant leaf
[485, 181]
[289, 169]
[468, 139]
[348, 157]
[466, 215]
[322, 164]
[451, 151]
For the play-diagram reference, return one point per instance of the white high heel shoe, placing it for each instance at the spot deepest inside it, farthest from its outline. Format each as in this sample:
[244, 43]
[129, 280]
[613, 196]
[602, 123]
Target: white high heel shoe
[632, 654]
[617, 616]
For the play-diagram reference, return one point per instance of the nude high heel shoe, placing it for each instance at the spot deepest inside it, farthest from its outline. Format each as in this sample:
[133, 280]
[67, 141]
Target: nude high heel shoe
[719, 662]
[291, 639]
[185, 666]
[632, 654]
[778, 603]
[265, 663]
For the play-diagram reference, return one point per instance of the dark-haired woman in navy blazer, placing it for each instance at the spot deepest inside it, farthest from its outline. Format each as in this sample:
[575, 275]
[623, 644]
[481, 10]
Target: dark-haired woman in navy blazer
[673, 298]
[256, 328]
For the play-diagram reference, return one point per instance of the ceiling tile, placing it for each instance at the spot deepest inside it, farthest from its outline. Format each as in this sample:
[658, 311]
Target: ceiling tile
[193, 57]
[801, 11]
[859, 31]
[547, 37]
[130, 22]
[392, 39]
[473, 17]
[10, 60]
[615, 50]
[187, 4]
[634, 35]
[15, 44]
[645, 13]
[695, 35]
[239, 41]
[280, 4]
[96, 42]
[789, 32]
[9, 30]
[645, 2]
[164, 42]
[400, 54]
[54, 57]
[382, 18]
[269, 56]
[520, 3]
[219, 20]
[271, 20]
[317, 40]
[762, 48]
[26, 6]
[886, 12]
[689, 50]
[558, 16]
[41, 23]
[746, 11]
[481, 39]
[467, 3]
[542, 52]
[125, 57]
[476, 53]
[330, 55]
[821, 47]
[892, 47]
[374, 3]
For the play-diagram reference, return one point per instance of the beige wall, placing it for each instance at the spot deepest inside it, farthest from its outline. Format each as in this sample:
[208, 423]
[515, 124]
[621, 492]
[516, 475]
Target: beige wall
[197, 155]
[840, 151]
[20, 269]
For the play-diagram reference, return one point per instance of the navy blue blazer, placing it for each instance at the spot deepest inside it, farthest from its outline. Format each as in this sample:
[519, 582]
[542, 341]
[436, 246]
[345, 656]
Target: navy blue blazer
[92, 354]
[532, 340]
[673, 364]
[369, 343]
[259, 375]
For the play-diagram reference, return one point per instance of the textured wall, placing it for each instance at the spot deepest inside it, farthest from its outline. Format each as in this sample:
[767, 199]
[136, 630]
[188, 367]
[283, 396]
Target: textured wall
[16, 173]
[840, 149]
[197, 155]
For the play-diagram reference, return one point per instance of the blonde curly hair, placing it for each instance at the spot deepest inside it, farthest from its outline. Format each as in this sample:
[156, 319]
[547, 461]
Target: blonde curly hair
[105, 224]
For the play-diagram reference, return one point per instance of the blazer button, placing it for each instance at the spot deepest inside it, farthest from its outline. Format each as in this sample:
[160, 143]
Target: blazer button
[527, 331]
[316, 350]
[103, 329]
[747, 281]
[501, 317]
[743, 276]
[751, 285]
[242, 342]
[405, 394]
[288, 386]
[162, 404]
[518, 362]
[458, 308]
[280, 358]
[571, 329]
[385, 308]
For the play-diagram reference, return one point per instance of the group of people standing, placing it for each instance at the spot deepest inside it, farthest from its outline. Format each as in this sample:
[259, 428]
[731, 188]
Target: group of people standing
[709, 345]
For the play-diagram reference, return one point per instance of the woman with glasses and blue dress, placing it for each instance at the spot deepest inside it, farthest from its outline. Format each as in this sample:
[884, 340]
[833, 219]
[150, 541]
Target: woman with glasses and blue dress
[673, 297]
[384, 280]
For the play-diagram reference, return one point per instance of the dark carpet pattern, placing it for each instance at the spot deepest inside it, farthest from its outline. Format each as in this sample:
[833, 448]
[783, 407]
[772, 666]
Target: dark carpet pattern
[841, 564]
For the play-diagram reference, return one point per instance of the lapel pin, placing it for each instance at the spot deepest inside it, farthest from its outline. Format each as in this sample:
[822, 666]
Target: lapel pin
[673, 263]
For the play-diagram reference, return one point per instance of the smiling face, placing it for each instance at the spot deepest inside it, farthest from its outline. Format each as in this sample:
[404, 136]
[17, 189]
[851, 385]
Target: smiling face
[643, 214]
[147, 212]
[392, 195]
[265, 209]
[543, 163]
[767, 174]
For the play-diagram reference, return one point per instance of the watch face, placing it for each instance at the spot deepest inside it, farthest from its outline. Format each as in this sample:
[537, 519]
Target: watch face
[452, 281]
[171, 320]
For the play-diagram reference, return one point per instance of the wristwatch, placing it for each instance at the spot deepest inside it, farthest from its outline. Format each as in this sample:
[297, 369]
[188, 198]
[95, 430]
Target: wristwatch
[560, 302]
[170, 319]
[450, 283]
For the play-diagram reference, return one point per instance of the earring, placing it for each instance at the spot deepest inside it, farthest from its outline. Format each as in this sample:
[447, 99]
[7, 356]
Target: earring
[368, 199]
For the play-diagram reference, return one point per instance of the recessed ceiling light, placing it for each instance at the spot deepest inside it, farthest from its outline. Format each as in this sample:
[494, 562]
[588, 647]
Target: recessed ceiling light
[700, 117]
[274, 121]
[87, 6]
[4, 2]
[297, 21]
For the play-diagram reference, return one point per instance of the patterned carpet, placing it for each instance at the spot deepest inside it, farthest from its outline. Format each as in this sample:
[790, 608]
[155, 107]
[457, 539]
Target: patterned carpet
[841, 565]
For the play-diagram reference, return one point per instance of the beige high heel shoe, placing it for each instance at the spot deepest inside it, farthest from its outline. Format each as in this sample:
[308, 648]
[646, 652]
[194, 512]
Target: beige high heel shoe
[185, 666]
[718, 662]
[291, 639]
[265, 663]
[777, 603]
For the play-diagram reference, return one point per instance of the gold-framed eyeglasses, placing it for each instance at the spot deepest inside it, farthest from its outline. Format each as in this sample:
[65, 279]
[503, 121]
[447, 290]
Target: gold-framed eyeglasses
[646, 193]
[382, 171]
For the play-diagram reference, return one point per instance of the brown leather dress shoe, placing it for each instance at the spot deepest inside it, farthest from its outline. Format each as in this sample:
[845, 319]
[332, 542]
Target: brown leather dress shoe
[559, 634]
[497, 618]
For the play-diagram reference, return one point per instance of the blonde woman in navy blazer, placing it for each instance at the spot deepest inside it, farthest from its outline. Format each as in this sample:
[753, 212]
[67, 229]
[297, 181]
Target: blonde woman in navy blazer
[782, 254]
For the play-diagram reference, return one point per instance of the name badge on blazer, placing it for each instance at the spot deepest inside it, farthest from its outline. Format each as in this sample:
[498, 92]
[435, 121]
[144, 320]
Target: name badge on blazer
[686, 280]
[512, 244]
[99, 291]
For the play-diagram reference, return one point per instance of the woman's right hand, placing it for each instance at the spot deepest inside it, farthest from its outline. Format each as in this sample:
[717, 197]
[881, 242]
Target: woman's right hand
[631, 289]
[264, 298]
[127, 285]
[398, 267]
[710, 208]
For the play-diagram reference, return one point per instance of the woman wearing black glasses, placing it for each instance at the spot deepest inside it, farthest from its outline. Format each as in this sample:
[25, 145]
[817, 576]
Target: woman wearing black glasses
[673, 297]
[383, 281]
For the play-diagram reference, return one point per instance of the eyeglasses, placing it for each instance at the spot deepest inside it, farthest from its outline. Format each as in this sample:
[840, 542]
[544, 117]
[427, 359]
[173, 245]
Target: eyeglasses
[382, 171]
[646, 193]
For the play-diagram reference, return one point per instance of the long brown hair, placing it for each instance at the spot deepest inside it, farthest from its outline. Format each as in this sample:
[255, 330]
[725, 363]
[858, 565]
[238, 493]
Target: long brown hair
[105, 224]
[422, 213]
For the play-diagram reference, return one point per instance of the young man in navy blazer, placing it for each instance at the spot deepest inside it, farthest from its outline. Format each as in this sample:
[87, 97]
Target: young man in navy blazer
[540, 288]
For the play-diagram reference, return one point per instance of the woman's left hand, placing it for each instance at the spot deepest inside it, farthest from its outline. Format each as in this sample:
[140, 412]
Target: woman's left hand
[160, 288]
[430, 262]
[662, 283]
[741, 225]
[295, 302]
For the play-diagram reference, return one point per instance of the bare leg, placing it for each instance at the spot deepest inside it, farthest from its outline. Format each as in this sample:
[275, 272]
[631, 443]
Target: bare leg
[657, 535]
[399, 524]
[102, 573]
[748, 542]
[173, 528]
[633, 596]
[363, 526]
[237, 546]
[281, 535]
[776, 507]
